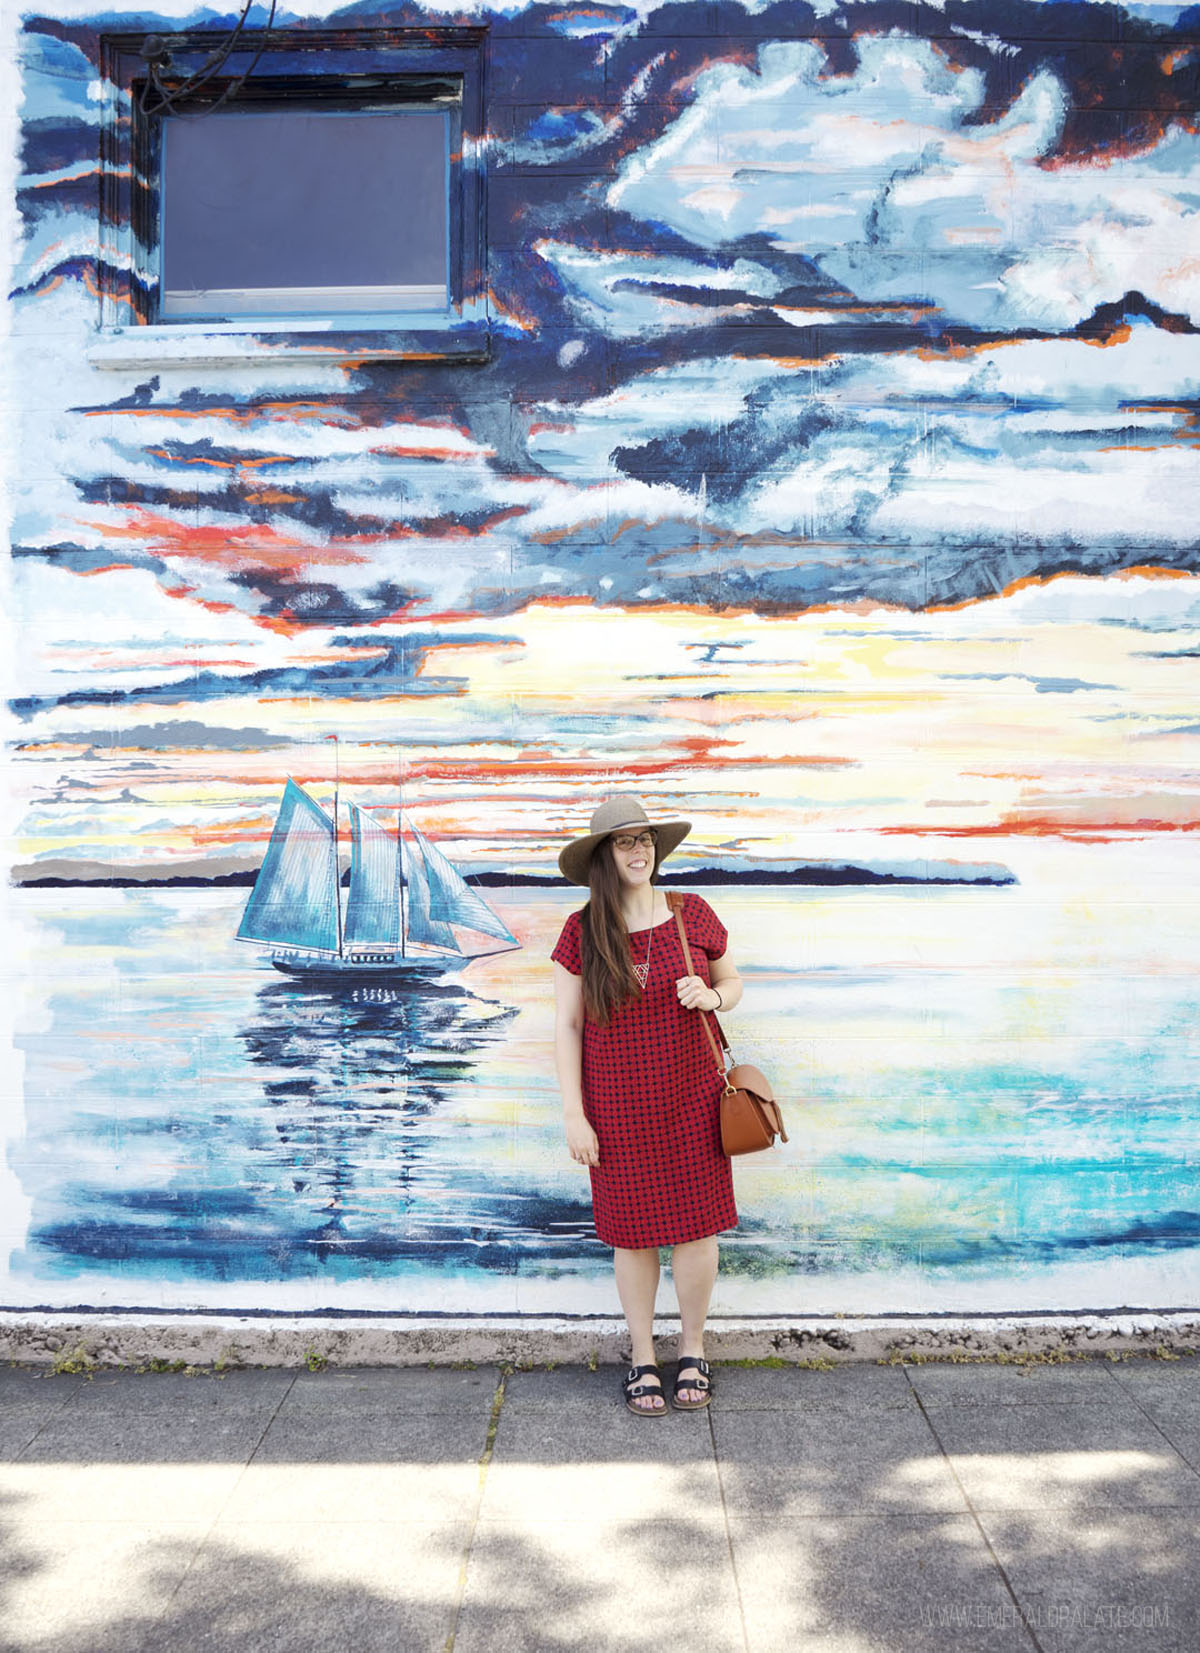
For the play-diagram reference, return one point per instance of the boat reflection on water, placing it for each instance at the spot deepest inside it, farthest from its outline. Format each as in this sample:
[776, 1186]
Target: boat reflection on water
[383, 1046]
[382, 1142]
[361, 1084]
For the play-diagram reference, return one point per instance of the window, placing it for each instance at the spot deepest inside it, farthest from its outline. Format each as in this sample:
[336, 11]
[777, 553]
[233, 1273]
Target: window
[288, 211]
[320, 195]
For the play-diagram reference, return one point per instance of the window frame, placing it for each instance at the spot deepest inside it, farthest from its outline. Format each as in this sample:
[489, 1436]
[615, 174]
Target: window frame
[370, 69]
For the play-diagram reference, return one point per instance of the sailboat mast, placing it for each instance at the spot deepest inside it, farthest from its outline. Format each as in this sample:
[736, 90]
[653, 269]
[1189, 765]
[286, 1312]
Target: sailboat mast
[337, 866]
[400, 845]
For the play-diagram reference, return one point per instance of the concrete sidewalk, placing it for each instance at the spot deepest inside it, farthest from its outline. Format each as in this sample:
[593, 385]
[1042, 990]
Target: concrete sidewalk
[444, 1511]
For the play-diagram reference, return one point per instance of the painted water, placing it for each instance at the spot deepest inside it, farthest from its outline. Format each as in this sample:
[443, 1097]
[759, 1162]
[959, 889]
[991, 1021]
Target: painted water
[991, 1095]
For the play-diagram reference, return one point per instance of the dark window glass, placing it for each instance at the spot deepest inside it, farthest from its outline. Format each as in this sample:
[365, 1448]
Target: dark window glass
[287, 211]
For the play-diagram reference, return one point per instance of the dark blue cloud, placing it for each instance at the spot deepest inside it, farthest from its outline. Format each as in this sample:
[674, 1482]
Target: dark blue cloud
[393, 667]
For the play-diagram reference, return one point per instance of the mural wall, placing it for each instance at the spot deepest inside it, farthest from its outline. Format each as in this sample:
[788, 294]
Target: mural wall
[831, 477]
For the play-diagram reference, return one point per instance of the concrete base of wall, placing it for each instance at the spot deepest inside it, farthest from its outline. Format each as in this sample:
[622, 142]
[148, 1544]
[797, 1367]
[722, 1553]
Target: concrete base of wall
[74, 1341]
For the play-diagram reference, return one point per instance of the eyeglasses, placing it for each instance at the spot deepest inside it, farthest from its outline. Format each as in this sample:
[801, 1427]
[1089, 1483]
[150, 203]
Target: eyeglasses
[625, 841]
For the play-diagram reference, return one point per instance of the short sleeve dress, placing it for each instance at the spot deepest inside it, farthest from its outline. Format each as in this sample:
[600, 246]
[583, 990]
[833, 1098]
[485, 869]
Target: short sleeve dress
[651, 1092]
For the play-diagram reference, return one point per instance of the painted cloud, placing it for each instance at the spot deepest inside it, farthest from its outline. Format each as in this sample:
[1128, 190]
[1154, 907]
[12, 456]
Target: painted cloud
[901, 185]
[778, 322]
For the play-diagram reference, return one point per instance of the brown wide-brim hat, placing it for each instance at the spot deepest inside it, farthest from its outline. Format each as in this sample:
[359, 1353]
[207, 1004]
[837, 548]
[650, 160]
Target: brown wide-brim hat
[619, 814]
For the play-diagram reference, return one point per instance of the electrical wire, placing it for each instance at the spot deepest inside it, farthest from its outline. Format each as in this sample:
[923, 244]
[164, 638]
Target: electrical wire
[168, 99]
[235, 86]
[169, 96]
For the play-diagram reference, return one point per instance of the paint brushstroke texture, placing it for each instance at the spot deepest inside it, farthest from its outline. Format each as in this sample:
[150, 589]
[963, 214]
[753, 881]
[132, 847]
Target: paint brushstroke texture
[905, 314]
[900, 274]
[831, 478]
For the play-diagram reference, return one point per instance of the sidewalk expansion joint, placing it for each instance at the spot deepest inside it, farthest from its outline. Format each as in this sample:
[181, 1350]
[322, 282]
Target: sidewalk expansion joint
[1022, 1616]
[733, 1566]
[485, 1460]
[206, 1537]
[1153, 1421]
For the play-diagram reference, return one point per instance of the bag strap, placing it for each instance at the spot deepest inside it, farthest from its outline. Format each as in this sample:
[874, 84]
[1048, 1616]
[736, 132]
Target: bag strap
[675, 903]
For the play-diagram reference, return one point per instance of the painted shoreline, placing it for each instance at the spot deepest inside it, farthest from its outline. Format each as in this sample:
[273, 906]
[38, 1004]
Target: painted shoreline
[815, 874]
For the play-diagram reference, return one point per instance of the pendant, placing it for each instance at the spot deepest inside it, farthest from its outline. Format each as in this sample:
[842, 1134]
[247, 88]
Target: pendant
[642, 970]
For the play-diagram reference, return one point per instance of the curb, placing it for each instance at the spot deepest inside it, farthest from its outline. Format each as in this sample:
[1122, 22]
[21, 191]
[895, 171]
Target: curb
[224, 1341]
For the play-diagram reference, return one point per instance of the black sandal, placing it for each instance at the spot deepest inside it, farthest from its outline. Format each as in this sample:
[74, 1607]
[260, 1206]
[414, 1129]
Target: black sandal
[702, 1380]
[633, 1388]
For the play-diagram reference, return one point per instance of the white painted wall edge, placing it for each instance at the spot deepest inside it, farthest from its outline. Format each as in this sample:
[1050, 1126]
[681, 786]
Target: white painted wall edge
[77, 1340]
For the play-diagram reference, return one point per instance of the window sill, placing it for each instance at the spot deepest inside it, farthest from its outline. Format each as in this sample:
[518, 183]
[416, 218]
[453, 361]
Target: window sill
[325, 339]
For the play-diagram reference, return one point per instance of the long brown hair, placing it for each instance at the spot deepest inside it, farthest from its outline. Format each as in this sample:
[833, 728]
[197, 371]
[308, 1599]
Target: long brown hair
[608, 978]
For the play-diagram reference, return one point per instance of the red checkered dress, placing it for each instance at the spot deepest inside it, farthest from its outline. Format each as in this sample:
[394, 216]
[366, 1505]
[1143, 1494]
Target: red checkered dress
[652, 1094]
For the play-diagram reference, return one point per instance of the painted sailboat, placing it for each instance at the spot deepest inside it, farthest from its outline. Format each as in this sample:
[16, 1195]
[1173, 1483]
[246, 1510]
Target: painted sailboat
[405, 911]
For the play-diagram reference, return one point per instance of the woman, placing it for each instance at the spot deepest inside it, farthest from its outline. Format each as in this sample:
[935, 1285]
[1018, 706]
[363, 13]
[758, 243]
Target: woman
[641, 1092]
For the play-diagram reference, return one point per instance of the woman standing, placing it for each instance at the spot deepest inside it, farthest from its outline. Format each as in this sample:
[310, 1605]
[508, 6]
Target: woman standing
[641, 1093]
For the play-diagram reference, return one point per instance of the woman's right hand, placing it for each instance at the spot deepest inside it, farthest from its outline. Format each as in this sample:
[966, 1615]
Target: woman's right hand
[582, 1142]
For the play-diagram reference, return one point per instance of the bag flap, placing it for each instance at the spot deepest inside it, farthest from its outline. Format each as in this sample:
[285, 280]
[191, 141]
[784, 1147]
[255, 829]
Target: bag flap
[743, 1077]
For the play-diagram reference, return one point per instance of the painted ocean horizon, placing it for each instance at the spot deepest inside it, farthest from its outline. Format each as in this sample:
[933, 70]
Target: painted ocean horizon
[990, 1093]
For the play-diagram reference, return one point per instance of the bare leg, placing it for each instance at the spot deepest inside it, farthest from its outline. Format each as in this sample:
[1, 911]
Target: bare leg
[694, 1267]
[637, 1287]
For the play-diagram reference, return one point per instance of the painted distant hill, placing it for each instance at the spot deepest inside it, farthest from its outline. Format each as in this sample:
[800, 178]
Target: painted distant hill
[61, 874]
[808, 872]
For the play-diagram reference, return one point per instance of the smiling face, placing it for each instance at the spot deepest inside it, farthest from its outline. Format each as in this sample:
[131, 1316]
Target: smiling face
[633, 855]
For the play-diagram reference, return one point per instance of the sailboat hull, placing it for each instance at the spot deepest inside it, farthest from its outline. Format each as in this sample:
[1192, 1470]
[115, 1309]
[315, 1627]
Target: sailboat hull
[354, 972]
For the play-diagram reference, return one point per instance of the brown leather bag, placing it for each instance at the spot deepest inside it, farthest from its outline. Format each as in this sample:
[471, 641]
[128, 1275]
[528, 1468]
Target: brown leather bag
[750, 1116]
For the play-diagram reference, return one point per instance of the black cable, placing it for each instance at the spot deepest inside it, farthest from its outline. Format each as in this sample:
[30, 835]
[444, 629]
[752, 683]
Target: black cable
[160, 57]
[169, 98]
[235, 86]
[216, 61]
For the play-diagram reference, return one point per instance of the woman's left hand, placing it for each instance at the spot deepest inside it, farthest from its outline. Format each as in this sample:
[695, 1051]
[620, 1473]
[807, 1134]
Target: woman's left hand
[695, 994]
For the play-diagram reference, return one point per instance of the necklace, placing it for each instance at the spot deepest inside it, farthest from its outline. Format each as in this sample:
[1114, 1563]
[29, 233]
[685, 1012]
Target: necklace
[641, 971]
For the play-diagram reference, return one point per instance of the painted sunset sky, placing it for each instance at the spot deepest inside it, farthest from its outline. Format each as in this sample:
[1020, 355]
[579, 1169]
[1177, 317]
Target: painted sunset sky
[833, 476]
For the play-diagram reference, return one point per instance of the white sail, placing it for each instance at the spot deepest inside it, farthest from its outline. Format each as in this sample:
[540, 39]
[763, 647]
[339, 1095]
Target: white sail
[373, 907]
[294, 899]
[452, 900]
[422, 927]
